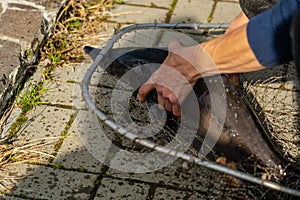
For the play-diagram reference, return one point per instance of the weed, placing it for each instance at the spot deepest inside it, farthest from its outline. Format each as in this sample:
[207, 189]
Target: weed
[31, 97]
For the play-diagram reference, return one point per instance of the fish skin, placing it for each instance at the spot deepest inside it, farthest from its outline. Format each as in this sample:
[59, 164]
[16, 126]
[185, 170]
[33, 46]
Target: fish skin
[240, 135]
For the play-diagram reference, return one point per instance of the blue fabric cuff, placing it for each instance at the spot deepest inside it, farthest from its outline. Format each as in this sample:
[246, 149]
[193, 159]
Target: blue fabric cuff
[268, 33]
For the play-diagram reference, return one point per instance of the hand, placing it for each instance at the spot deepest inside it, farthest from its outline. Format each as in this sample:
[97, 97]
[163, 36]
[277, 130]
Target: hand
[176, 77]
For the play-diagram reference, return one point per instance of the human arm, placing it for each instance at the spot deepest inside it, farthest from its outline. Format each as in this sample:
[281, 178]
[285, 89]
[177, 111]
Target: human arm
[247, 46]
[221, 55]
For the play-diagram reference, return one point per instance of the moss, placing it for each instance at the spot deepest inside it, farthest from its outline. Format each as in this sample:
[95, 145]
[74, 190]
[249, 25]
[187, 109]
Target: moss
[210, 17]
[16, 126]
[171, 10]
[58, 166]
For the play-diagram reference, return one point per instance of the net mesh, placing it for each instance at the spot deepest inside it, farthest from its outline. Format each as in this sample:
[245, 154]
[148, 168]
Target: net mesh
[270, 94]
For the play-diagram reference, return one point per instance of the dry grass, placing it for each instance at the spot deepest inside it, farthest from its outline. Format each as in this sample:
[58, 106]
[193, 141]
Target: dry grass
[78, 24]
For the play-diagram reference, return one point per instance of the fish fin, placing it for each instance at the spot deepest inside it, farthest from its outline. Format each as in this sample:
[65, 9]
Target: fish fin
[92, 51]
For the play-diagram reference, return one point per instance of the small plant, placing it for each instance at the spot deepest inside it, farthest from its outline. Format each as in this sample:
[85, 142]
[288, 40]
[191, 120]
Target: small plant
[31, 97]
[55, 58]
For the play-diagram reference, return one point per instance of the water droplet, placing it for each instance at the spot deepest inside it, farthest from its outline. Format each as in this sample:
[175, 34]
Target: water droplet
[227, 90]
[233, 133]
[235, 115]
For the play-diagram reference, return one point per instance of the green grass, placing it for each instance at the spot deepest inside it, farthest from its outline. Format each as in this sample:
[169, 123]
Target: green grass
[31, 97]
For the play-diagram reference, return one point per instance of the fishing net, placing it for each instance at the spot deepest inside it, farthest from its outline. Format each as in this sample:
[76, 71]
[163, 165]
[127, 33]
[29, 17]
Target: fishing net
[142, 136]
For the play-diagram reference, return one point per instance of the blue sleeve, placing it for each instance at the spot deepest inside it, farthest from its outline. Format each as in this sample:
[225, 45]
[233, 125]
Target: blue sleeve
[269, 33]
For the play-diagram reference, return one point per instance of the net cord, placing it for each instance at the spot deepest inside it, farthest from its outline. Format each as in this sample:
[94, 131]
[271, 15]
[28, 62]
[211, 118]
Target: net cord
[148, 144]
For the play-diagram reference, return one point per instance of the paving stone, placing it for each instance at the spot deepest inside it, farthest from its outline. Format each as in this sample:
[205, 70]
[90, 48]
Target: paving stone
[52, 5]
[29, 23]
[192, 11]
[89, 131]
[45, 124]
[119, 190]
[68, 94]
[61, 93]
[76, 74]
[22, 6]
[40, 182]
[46, 121]
[225, 12]
[74, 155]
[6, 197]
[162, 193]
[9, 122]
[9, 61]
[152, 3]
[195, 178]
[132, 14]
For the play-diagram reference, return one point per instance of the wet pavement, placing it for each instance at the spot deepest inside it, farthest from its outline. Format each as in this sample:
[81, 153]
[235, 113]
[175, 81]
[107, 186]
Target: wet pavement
[75, 171]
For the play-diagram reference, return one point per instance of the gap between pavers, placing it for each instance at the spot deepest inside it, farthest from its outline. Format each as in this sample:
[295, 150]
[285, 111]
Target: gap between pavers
[136, 14]
[153, 3]
[73, 154]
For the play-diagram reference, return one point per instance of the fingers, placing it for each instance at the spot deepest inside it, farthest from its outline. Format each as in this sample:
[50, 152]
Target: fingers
[144, 91]
[168, 100]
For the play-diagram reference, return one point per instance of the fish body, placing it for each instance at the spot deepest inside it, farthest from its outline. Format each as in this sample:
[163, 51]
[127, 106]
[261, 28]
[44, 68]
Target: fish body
[240, 136]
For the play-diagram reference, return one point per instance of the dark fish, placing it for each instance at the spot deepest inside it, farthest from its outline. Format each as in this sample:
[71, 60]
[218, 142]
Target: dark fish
[240, 137]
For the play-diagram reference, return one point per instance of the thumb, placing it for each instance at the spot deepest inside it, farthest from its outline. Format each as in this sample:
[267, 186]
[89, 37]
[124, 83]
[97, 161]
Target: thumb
[144, 91]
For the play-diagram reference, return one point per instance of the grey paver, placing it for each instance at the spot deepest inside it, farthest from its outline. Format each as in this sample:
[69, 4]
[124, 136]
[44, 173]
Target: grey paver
[46, 121]
[67, 94]
[133, 14]
[27, 20]
[225, 12]
[162, 193]
[9, 61]
[119, 190]
[192, 11]
[196, 178]
[7, 197]
[9, 122]
[42, 182]
[45, 124]
[75, 74]
[92, 136]
[74, 155]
